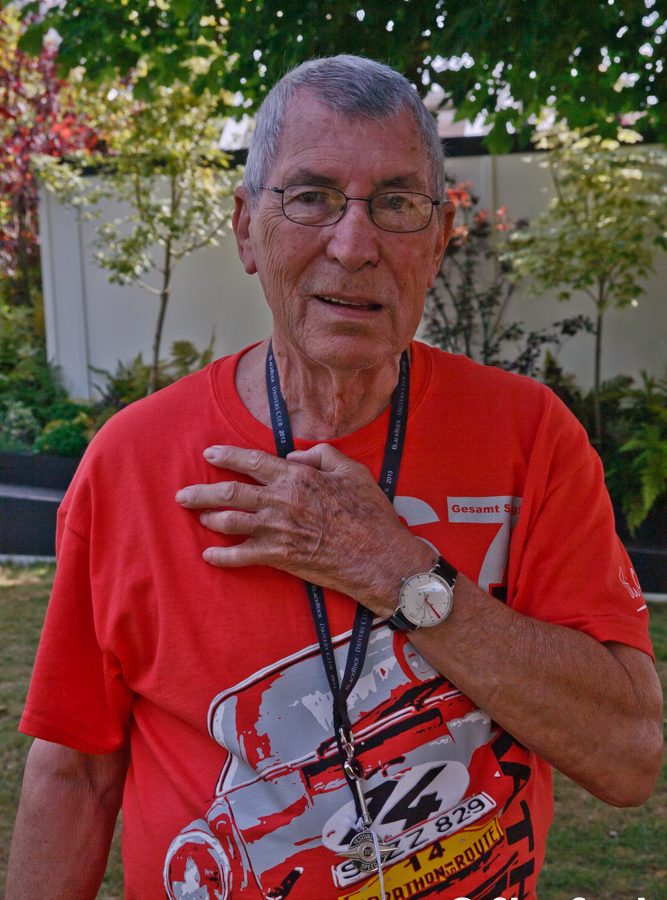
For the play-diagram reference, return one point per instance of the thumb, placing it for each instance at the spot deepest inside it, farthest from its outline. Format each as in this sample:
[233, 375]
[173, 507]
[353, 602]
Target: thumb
[322, 456]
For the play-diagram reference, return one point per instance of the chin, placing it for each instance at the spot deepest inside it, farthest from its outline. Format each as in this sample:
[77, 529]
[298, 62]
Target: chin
[351, 352]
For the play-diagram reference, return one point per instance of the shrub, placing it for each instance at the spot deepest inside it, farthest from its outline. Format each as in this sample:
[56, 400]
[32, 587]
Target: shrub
[131, 380]
[18, 427]
[64, 437]
[634, 438]
[26, 377]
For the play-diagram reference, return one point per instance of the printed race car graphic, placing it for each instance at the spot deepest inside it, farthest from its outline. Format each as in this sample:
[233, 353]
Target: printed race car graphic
[282, 807]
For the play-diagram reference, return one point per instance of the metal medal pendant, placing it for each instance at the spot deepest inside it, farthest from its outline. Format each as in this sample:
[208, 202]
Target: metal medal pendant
[364, 847]
[362, 851]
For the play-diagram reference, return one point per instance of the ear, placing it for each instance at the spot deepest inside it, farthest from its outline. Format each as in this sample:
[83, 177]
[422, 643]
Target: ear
[445, 227]
[241, 225]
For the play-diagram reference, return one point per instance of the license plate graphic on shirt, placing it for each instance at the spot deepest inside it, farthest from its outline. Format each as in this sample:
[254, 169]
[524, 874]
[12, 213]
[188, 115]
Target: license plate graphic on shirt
[435, 866]
[440, 827]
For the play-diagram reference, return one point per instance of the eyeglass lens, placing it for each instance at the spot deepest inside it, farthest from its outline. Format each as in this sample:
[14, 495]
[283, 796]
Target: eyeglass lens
[400, 211]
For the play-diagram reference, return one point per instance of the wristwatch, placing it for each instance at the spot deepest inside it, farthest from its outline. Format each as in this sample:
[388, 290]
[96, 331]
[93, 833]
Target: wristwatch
[425, 598]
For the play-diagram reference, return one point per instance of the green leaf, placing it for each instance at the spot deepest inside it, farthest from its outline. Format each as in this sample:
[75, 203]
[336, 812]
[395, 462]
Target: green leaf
[499, 140]
[182, 8]
[143, 90]
[32, 39]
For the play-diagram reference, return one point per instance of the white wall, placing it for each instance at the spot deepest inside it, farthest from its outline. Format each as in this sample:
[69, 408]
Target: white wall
[90, 322]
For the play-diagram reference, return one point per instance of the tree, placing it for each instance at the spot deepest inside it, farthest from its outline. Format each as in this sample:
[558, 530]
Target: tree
[601, 231]
[37, 116]
[163, 161]
[467, 309]
[593, 61]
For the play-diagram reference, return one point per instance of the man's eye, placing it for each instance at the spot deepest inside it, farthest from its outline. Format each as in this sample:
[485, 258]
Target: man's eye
[311, 198]
[392, 203]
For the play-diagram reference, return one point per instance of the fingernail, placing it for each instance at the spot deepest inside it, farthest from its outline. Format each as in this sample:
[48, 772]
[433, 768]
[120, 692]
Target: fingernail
[183, 495]
[210, 453]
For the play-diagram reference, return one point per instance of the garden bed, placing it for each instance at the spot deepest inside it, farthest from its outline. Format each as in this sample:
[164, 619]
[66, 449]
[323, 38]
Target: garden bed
[31, 488]
[37, 470]
[647, 548]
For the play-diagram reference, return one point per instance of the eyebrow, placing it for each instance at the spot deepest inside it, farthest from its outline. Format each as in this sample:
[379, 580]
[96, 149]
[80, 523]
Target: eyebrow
[407, 180]
[307, 176]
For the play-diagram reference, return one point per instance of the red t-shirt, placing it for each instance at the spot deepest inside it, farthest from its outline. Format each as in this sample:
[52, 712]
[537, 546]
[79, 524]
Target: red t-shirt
[215, 677]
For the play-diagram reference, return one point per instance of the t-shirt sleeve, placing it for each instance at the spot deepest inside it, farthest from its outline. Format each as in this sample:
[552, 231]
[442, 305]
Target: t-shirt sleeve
[77, 695]
[570, 567]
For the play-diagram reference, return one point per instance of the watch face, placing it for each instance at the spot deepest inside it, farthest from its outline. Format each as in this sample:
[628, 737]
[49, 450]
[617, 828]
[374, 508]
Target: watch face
[425, 599]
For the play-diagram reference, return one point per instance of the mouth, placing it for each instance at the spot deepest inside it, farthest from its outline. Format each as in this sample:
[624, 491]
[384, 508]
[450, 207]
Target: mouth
[349, 304]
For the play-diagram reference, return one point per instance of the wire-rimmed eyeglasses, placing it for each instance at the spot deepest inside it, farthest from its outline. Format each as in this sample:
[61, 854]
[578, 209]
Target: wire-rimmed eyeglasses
[316, 205]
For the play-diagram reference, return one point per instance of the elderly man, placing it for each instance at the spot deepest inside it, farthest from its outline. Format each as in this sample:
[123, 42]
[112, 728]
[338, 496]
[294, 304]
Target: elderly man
[387, 599]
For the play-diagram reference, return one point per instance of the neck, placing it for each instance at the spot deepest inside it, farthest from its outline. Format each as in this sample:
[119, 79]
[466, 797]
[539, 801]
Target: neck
[323, 402]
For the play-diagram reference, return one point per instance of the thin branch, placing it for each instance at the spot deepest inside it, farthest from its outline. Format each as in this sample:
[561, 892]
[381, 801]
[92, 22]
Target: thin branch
[148, 287]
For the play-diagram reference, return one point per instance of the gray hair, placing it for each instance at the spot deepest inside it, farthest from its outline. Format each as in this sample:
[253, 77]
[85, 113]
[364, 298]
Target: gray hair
[355, 87]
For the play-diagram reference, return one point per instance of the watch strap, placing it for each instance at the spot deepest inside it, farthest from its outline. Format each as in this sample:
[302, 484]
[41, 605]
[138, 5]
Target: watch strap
[399, 623]
[445, 570]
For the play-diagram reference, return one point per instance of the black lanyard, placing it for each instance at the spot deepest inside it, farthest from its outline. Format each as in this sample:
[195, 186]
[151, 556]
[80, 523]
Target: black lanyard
[363, 619]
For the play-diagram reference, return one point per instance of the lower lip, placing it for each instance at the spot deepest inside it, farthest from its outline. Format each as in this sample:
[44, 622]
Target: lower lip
[356, 311]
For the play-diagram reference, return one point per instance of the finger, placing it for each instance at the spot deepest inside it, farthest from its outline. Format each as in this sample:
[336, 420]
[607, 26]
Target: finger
[245, 554]
[261, 466]
[230, 522]
[221, 493]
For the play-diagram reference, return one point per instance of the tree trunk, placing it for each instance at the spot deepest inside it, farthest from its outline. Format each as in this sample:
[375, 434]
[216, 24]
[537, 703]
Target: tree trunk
[164, 300]
[22, 292]
[157, 337]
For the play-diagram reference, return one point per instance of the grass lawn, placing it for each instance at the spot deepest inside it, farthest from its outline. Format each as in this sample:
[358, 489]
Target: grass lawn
[595, 851]
[23, 596]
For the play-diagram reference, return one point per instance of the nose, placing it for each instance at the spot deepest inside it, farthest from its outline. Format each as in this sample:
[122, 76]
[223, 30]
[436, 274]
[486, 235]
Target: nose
[355, 240]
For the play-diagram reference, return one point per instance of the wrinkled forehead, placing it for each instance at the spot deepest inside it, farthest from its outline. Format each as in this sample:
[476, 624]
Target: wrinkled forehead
[306, 108]
[317, 138]
[306, 112]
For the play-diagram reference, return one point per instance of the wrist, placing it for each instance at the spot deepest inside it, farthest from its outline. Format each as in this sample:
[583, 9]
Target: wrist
[421, 557]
